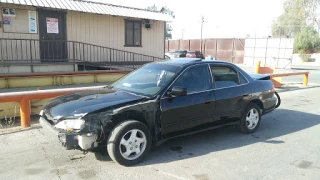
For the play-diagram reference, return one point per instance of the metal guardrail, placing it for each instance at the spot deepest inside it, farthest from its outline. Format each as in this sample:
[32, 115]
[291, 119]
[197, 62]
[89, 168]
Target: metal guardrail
[34, 51]
[25, 97]
[59, 78]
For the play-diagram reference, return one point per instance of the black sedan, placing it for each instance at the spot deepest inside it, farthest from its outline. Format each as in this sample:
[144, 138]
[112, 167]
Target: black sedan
[157, 102]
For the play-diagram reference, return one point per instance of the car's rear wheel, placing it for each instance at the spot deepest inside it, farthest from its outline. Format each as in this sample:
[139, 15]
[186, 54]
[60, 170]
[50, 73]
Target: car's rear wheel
[250, 119]
[129, 142]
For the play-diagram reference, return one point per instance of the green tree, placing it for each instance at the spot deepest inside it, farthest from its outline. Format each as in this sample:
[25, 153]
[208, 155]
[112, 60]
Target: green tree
[306, 40]
[299, 20]
[297, 15]
[165, 10]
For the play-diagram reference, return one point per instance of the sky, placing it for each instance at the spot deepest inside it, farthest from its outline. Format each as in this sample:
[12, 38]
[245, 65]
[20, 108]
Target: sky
[222, 18]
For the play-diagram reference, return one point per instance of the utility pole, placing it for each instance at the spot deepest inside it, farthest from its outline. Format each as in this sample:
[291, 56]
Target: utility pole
[313, 13]
[182, 34]
[202, 20]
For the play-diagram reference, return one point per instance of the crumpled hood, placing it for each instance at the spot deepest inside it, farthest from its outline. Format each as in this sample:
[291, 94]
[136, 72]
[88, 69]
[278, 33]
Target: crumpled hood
[86, 102]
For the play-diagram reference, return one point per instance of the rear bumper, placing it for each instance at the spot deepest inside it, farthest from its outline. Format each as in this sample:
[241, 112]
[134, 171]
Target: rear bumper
[70, 140]
[269, 105]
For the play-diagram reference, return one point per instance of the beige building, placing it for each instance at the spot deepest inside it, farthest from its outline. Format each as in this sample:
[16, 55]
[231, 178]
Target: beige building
[69, 33]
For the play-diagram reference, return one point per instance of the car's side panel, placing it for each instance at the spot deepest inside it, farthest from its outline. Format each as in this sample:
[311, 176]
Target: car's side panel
[185, 112]
[264, 91]
[230, 102]
[232, 95]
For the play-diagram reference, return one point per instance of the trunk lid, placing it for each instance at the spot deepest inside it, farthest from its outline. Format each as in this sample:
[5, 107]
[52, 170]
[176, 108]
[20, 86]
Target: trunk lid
[260, 76]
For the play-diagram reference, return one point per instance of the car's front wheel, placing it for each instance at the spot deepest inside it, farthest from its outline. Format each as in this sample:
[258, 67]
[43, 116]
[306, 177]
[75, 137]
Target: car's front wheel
[129, 142]
[250, 119]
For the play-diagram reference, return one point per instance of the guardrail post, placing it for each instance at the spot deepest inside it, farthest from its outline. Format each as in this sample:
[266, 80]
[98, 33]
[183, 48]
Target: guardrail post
[305, 79]
[257, 69]
[25, 112]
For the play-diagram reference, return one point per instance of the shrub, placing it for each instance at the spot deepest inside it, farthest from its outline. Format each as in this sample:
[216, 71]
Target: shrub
[306, 40]
[305, 57]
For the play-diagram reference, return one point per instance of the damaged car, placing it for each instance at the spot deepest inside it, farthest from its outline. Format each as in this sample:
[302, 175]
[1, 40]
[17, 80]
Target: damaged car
[157, 102]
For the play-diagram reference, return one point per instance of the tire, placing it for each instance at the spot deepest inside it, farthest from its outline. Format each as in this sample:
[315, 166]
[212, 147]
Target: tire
[279, 99]
[129, 143]
[250, 124]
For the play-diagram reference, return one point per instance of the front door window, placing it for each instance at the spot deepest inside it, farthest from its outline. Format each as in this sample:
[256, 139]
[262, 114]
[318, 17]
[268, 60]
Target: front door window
[195, 79]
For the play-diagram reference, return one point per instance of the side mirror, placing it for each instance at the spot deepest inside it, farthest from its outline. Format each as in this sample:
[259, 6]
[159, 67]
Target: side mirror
[178, 91]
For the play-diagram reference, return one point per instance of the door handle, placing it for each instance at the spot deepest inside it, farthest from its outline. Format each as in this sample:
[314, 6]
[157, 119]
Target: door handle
[246, 94]
[207, 102]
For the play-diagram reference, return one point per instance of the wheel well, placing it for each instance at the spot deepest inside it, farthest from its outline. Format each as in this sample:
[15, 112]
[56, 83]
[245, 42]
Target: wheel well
[118, 118]
[128, 115]
[258, 102]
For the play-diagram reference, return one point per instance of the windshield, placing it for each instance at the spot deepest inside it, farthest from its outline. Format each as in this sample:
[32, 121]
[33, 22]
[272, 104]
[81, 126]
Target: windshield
[148, 80]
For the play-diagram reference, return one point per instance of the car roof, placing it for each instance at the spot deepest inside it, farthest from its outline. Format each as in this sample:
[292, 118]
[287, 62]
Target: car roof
[183, 62]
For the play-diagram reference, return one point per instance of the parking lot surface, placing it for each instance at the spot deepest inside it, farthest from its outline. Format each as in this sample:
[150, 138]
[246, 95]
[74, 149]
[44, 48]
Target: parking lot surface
[286, 146]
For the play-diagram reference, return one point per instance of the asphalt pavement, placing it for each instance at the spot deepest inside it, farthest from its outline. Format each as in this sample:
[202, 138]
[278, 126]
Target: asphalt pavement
[286, 146]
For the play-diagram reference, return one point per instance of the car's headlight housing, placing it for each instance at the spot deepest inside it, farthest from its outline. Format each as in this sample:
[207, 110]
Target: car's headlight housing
[71, 125]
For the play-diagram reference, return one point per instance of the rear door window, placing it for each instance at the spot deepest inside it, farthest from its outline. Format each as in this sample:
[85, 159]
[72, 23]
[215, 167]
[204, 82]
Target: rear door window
[243, 80]
[224, 76]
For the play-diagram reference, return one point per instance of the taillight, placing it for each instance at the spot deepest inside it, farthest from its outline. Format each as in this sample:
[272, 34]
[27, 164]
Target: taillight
[191, 55]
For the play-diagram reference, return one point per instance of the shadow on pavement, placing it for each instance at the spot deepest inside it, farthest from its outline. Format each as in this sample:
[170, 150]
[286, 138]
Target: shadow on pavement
[101, 154]
[276, 124]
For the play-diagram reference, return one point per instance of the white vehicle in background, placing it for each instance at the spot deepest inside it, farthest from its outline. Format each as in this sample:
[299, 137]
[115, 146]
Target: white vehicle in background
[170, 55]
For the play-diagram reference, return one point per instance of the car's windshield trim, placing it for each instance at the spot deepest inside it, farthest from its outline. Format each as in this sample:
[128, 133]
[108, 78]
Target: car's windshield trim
[177, 72]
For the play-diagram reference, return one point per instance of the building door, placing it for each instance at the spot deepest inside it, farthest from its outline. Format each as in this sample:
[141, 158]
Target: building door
[52, 32]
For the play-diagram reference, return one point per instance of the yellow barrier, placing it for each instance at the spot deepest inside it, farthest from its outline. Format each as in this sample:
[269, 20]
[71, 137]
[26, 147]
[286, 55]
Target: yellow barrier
[276, 78]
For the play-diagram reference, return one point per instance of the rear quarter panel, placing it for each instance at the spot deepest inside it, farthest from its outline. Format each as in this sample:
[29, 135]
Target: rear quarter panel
[263, 90]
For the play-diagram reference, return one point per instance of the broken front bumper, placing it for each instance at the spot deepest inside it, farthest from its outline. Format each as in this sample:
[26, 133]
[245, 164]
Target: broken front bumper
[71, 140]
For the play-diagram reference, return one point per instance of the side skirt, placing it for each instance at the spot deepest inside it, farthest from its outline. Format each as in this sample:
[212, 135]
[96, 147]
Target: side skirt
[158, 143]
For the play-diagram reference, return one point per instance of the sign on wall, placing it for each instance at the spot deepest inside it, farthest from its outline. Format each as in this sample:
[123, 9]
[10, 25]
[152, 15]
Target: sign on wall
[6, 20]
[19, 21]
[52, 25]
[32, 22]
